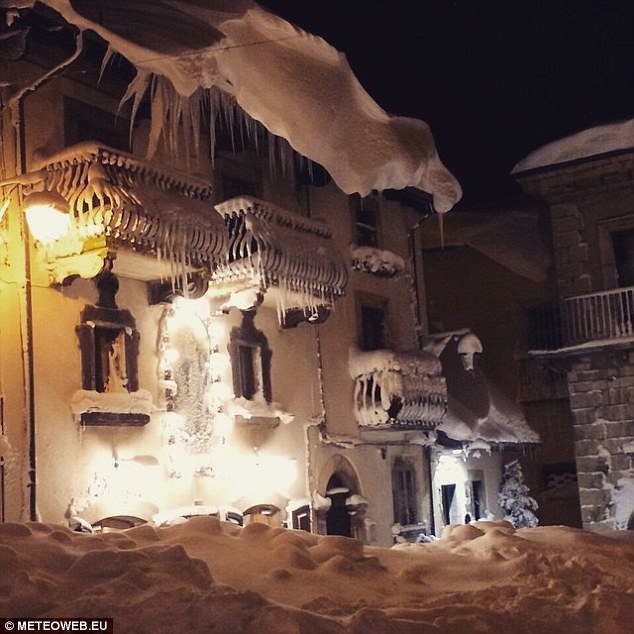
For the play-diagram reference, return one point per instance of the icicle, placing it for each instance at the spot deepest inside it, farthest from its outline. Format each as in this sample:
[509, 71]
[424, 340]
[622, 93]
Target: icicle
[107, 58]
[136, 91]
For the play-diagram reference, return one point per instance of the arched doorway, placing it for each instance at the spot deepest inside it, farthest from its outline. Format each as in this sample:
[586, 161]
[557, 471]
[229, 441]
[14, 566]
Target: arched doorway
[344, 514]
[337, 516]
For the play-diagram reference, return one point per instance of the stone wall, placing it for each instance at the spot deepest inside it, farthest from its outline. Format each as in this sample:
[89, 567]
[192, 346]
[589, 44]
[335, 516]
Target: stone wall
[601, 386]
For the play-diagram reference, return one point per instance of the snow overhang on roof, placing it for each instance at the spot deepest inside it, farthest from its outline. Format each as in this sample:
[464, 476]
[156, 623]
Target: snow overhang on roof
[295, 84]
[611, 138]
[397, 390]
[270, 247]
[478, 413]
[118, 201]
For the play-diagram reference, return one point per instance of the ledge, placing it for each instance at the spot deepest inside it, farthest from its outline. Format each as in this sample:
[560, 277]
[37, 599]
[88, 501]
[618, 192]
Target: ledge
[262, 422]
[113, 419]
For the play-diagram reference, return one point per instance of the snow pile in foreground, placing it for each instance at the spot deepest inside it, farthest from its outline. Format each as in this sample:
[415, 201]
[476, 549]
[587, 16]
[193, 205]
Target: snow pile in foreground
[205, 575]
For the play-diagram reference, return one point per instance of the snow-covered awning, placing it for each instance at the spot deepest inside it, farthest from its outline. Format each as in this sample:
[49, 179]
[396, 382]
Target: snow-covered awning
[479, 415]
[116, 200]
[397, 390]
[295, 84]
[272, 247]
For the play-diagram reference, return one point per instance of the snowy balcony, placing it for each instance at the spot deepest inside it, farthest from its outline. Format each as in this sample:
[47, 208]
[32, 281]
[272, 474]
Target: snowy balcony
[398, 390]
[275, 252]
[156, 222]
[597, 319]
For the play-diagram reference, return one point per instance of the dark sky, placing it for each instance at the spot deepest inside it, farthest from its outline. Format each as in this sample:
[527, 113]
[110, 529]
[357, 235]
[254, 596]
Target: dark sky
[494, 79]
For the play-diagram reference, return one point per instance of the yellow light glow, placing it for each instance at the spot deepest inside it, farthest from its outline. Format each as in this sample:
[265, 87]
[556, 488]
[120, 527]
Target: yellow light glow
[46, 216]
[171, 355]
[255, 475]
[4, 208]
[223, 424]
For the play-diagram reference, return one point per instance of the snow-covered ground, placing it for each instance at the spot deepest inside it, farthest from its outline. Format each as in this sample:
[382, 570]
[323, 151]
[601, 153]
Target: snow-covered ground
[209, 576]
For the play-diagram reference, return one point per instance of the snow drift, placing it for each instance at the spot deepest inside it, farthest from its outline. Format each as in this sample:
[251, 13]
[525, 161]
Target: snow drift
[205, 575]
[294, 83]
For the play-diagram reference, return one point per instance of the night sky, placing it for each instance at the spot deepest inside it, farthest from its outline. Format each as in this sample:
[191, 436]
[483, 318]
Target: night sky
[494, 79]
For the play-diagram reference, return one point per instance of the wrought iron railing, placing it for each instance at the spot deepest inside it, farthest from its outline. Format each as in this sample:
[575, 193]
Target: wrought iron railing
[398, 390]
[598, 317]
[281, 249]
[130, 202]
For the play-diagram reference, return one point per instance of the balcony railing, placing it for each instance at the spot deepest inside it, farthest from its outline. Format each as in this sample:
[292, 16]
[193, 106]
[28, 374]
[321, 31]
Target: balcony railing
[398, 390]
[270, 247]
[117, 201]
[596, 318]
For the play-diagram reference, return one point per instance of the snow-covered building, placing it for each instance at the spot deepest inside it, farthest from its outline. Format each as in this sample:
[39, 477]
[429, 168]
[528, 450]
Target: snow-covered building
[500, 255]
[586, 333]
[236, 333]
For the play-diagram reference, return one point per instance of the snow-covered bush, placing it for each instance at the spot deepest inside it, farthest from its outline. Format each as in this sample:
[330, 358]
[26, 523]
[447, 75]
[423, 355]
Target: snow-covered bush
[514, 498]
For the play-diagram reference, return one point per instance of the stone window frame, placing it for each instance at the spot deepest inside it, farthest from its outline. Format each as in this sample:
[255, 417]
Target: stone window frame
[99, 323]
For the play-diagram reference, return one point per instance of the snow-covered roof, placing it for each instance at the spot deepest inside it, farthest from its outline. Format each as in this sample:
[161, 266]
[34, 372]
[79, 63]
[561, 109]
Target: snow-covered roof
[603, 139]
[478, 413]
[294, 83]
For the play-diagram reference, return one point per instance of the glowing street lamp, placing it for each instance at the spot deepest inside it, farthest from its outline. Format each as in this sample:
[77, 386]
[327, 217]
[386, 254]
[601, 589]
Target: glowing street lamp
[47, 215]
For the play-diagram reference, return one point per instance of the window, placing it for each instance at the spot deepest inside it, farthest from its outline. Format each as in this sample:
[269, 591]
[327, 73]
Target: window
[83, 122]
[108, 341]
[372, 316]
[234, 186]
[250, 360]
[109, 347]
[623, 245]
[404, 492]
[366, 220]
[249, 364]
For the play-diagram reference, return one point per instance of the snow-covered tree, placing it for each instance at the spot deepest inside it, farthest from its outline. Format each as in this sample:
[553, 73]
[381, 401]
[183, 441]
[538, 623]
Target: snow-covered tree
[514, 498]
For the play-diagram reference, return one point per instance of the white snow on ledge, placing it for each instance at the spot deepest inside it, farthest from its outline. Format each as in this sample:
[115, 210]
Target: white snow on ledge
[379, 262]
[591, 142]
[139, 402]
[257, 408]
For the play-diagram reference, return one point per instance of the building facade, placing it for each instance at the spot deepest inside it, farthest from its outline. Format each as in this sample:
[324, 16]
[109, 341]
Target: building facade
[195, 335]
[586, 333]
